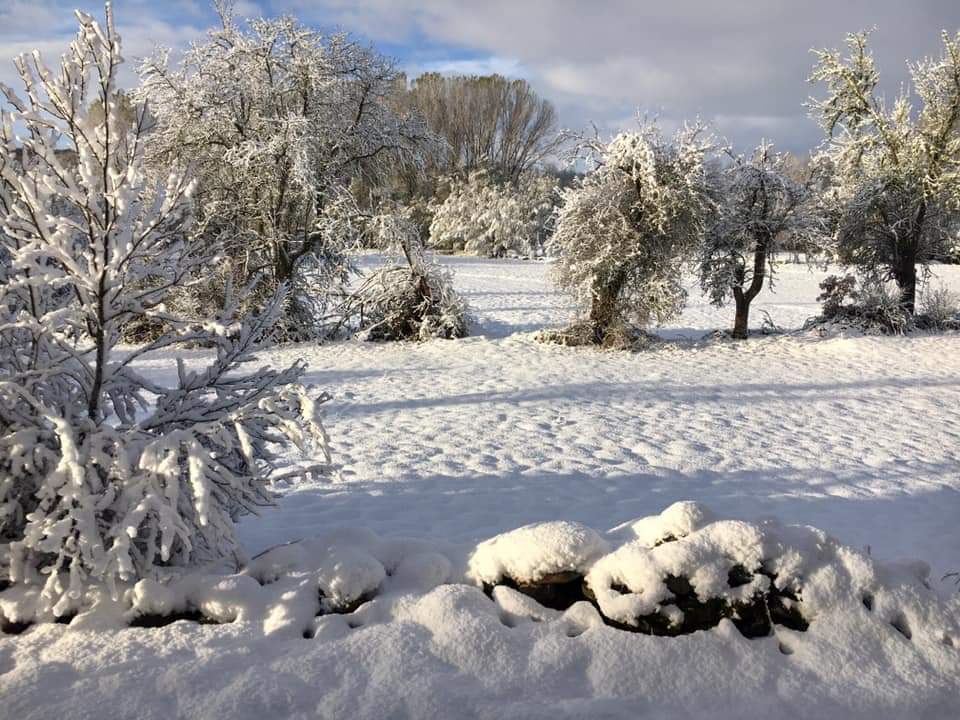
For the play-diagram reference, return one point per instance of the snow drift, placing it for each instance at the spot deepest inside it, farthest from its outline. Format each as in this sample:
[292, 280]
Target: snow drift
[403, 626]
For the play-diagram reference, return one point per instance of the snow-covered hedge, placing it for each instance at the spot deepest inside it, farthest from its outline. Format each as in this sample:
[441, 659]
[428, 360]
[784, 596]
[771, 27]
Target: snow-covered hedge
[380, 626]
[370, 626]
[873, 308]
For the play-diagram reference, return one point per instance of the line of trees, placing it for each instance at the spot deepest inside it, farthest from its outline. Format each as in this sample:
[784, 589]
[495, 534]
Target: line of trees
[882, 196]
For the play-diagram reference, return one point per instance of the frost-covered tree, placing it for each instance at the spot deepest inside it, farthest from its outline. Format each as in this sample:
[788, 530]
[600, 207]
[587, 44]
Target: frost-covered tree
[276, 119]
[760, 209]
[897, 168]
[495, 219]
[105, 472]
[624, 230]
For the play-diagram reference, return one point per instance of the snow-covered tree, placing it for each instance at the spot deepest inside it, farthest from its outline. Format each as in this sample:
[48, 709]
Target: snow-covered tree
[496, 219]
[624, 231]
[760, 209]
[897, 168]
[276, 119]
[412, 299]
[106, 473]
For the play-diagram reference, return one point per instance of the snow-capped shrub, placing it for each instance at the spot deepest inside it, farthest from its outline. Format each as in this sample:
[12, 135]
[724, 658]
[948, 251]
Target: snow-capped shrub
[624, 230]
[530, 553]
[873, 308]
[941, 307]
[411, 301]
[105, 473]
[836, 292]
[495, 219]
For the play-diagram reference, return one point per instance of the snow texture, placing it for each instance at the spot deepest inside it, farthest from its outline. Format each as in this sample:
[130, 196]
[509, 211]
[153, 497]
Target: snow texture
[880, 643]
[457, 443]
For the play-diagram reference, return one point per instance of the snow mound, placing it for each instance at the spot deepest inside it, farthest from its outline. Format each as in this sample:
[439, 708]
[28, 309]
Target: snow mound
[677, 521]
[530, 553]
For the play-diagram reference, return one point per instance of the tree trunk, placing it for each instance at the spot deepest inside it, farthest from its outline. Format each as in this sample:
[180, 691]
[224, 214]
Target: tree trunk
[905, 273]
[743, 297]
[740, 326]
[603, 309]
[905, 270]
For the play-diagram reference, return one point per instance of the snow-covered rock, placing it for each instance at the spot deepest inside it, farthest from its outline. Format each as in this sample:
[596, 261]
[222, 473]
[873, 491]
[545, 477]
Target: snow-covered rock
[528, 554]
[880, 643]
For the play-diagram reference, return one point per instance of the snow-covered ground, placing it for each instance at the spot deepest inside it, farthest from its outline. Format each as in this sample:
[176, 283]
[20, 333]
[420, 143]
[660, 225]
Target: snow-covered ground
[459, 440]
[453, 442]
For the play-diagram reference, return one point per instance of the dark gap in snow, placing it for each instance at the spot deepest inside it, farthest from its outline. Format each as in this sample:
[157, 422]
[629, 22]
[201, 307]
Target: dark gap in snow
[783, 605]
[157, 621]
[665, 539]
[739, 576]
[947, 640]
[899, 623]
[784, 611]
[10, 627]
[328, 607]
[557, 591]
[868, 601]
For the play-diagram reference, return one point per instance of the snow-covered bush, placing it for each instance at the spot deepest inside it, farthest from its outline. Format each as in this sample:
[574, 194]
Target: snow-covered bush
[940, 307]
[410, 300]
[624, 231]
[896, 168]
[494, 219]
[835, 292]
[761, 209]
[876, 308]
[277, 119]
[106, 473]
[871, 308]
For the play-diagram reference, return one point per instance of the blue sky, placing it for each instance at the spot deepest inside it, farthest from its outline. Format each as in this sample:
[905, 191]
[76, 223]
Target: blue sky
[740, 64]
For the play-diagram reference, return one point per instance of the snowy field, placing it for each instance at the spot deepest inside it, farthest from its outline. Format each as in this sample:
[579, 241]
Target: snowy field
[463, 439]
[453, 442]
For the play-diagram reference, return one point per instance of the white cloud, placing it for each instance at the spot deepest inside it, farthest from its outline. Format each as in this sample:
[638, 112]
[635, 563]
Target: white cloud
[741, 63]
[743, 59]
